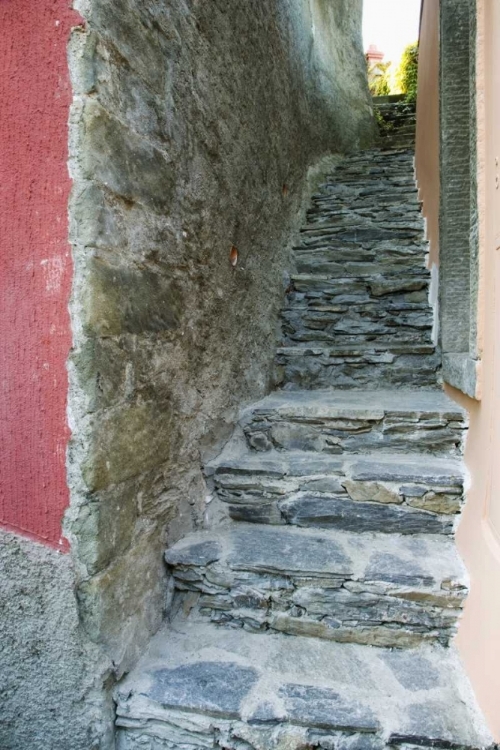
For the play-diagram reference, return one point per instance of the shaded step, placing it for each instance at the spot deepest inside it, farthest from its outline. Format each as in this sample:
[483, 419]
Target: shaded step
[372, 233]
[354, 421]
[371, 305]
[407, 494]
[313, 366]
[356, 588]
[372, 259]
[338, 212]
[199, 687]
[356, 289]
[354, 324]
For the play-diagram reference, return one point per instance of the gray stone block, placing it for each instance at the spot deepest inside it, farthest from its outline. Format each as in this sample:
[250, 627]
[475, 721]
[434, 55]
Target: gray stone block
[216, 688]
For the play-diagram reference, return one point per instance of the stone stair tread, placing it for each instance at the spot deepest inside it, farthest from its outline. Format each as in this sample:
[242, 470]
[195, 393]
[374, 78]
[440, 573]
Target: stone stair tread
[197, 683]
[424, 561]
[408, 274]
[364, 588]
[356, 403]
[411, 347]
[396, 467]
[355, 420]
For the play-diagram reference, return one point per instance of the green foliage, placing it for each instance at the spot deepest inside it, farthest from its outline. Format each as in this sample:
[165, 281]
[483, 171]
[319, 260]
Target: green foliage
[384, 126]
[378, 76]
[407, 72]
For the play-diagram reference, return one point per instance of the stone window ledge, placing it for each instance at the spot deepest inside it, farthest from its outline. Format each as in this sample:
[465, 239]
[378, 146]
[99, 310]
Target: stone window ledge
[463, 372]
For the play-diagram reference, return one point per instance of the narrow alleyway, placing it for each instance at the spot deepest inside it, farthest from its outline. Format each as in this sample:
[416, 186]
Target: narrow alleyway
[343, 488]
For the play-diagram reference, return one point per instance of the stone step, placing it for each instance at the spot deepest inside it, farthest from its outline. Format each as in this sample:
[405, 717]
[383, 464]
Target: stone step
[356, 421]
[397, 142]
[344, 262]
[314, 366]
[338, 262]
[348, 219]
[199, 687]
[357, 588]
[370, 234]
[315, 322]
[383, 290]
[323, 326]
[388, 203]
[366, 211]
[396, 493]
[352, 194]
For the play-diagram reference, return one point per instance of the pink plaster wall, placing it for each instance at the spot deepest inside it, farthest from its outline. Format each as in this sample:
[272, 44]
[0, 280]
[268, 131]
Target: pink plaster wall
[479, 532]
[35, 265]
[478, 535]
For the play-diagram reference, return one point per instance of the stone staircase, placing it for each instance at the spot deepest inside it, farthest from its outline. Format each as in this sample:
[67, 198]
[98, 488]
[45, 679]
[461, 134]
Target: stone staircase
[320, 613]
[396, 120]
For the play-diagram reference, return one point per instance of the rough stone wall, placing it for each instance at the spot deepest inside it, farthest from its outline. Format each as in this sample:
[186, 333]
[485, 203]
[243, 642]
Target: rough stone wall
[51, 677]
[192, 130]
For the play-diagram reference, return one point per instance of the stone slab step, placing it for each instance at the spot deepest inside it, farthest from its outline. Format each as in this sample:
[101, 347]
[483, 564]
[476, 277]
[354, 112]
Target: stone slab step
[394, 493]
[342, 586]
[356, 421]
[317, 323]
[366, 286]
[337, 260]
[198, 687]
[315, 366]
[395, 215]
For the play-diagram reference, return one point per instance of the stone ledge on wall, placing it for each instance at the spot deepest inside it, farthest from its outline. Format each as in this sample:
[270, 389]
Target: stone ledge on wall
[463, 372]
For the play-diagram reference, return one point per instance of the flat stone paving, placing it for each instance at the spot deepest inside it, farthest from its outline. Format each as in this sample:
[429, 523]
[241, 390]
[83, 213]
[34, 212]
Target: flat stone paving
[273, 684]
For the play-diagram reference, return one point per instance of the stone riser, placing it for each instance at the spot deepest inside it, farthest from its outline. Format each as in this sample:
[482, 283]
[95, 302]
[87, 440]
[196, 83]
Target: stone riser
[312, 371]
[191, 733]
[361, 289]
[436, 435]
[352, 338]
[334, 213]
[359, 259]
[361, 174]
[335, 210]
[337, 609]
[344, 324]
[326, 511]
[341, 500]
[337, 264]
[359, 235]
[327, 241]
[327, 584]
